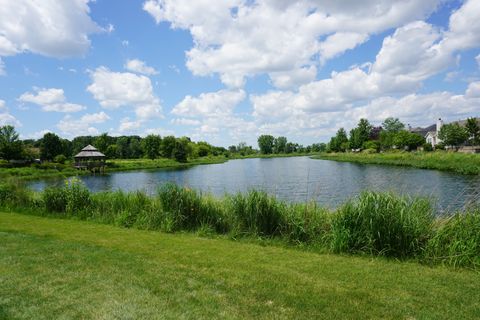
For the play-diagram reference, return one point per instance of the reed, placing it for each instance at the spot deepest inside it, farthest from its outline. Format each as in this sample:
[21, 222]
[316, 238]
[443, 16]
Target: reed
[456, 240]
[382, 224]
[379, 224]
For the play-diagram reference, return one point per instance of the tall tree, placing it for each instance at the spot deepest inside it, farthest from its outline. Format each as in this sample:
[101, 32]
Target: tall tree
[167, 147]
[265, 143]
[10, 146]
[102, 142]
[453, 134]
[51, 146]
[180, 150]
[392, 125]
[473, 130]
[151, 146]
[280, 145]
[360, 134]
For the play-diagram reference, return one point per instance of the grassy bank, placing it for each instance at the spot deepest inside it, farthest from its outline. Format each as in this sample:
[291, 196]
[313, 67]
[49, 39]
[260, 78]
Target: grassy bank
[446, 161]
[54, 170]
[376, 224]
[52, 268]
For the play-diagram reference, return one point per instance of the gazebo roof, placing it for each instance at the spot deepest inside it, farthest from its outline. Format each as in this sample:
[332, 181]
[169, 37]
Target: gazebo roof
[90, 152]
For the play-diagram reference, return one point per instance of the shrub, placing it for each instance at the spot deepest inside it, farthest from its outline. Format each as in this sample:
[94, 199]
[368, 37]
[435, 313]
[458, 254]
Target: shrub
[456, 240]
[382, 224]
[258, 213]
[60, 159]
[55, 199]
[73, 198]
[14, 194]
[427, 147]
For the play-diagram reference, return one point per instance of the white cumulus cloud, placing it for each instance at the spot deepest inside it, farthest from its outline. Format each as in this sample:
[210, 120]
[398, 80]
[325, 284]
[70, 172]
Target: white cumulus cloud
[209, 104]
[82, 126]
[48, 27]
[240, 38]
[139, 66]
[50, 100]
[116, 89]
[6, 118]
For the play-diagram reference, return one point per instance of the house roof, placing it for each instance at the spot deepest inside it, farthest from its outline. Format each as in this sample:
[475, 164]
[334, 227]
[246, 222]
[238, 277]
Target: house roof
[424, 131]
[90, 152]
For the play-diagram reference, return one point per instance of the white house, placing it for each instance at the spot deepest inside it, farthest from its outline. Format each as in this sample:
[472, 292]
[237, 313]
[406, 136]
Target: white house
[432, 136]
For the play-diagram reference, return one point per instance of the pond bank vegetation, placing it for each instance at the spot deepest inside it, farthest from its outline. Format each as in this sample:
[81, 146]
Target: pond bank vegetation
[440, 160]
[377, 224]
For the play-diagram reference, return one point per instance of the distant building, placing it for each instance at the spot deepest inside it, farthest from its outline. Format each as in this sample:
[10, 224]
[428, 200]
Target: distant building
[431, 132]
[432, 136]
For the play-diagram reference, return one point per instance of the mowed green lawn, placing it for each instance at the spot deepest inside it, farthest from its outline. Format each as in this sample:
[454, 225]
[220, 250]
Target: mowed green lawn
[64, 269]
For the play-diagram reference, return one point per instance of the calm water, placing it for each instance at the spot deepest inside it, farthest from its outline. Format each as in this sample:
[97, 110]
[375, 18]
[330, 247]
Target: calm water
[298, 179]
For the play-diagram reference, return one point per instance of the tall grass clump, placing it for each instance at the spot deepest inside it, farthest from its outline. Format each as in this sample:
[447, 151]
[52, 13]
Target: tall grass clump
[306, 224]
[456, 241]
[14, 194]
[382, 224]
[125, 209]
[257, 213]
[73, 198]
[187, 209]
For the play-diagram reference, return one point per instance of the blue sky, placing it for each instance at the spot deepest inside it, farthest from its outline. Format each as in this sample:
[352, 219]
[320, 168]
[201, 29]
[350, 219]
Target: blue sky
[227, 71]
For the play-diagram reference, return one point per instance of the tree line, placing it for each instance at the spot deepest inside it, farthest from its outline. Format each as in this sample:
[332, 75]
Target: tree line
[269, 144]
[392, 134]
[51, 147]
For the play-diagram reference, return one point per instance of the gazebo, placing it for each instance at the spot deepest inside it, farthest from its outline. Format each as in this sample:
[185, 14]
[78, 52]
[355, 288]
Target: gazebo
[90, 159]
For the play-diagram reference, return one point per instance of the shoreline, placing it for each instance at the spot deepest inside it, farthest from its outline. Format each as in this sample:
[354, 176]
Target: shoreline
[117, 165]
[460, 163]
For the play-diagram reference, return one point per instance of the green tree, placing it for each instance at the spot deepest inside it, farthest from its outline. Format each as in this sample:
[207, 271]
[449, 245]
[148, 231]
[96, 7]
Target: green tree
[123, 147]
[453, 134]
[280, 144]
[51, 146]
[167, 147]
[409, 140]
[473, 130]
[180, 151]
[135, 148]
[102, 142]
[392, 125]
[78, 143]
[151, 146]
[203, 149]
[265, 143]
[10, 146]
[360, 134]
[337, 143]
[112, 151]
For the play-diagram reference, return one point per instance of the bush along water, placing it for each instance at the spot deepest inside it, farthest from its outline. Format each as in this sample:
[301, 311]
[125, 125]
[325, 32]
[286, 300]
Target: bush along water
[380, 224]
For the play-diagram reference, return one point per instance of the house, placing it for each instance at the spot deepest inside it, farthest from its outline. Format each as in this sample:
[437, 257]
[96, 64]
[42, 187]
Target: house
[430, 133]
[432, 136]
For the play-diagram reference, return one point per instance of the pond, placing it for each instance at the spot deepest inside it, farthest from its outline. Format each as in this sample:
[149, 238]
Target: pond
[297, 179]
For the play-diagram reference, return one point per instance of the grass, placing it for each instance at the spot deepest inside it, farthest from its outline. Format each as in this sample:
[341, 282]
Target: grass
[377, 224]
[446, 161]
[67, 269]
